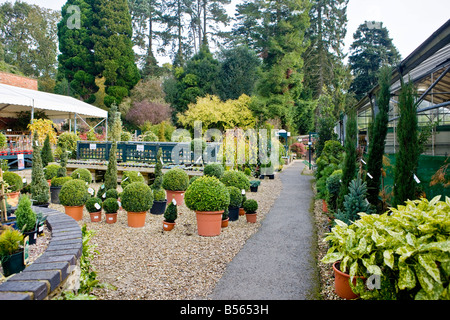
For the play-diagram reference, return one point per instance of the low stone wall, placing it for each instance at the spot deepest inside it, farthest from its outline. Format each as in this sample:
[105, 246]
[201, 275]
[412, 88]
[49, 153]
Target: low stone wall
[55, 270]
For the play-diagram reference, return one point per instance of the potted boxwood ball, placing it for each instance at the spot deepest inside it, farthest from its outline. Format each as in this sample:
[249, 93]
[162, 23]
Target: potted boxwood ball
[11, 251]
[235, 203]
[50, 172]
[111, 207]
[209, 198]
[55, 187]
[73, 197]
[94, 207]
[250, 208]
[15, 183]
[175, 182]
[137, 199]
[83, 174]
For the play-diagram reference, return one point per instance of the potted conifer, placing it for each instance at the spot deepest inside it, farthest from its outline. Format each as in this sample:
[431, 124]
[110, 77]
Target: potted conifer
[14, 184]
[111, 207]
[26, 219]
[94, 207]
[50, 172]
[73, 197]
[235, 203]
[55, 187]
[11, 251]
[137, 199]
[170, 215]
[46, 153]
[209, 198]
[175, 182]
[40, 192]
[159, 195]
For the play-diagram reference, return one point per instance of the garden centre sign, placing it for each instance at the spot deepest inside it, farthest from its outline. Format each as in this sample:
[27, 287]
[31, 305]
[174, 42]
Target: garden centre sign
[237, 146]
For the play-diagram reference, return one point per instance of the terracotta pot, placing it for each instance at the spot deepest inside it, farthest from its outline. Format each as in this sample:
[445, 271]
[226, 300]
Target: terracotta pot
[74, 212]
[241, 211]
[324, 206]
[342, 283]
[209, 223]
[225, 222]
[136, 219]
[96, 216]
[251, 217]
[167, 226]
[13, 198]
[49, 181]
[111, 218]
[177, 195]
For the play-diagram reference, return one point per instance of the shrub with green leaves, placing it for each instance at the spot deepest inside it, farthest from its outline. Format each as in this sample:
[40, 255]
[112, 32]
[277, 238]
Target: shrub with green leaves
[235, 197]
[137, 197]
[13, 180]
[129, 177]
[329, 161]
[25, 216]
[83, 174]
[50, 171]
[171, 213]
[91, 205]
[74, 193]
[159, 194]
[112, 193]
[236, 179]
[207, 194]
[214, 170]
[175, 179]
[333, 184]
[407, 247]
[59, 181]
[110, 205]
[250, 206]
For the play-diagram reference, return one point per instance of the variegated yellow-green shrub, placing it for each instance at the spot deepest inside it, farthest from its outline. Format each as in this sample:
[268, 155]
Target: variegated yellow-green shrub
[407, 248]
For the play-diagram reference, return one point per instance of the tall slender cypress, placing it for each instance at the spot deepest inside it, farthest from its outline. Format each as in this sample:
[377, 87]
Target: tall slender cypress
[378, 132]
[39, 187]
[407, 156]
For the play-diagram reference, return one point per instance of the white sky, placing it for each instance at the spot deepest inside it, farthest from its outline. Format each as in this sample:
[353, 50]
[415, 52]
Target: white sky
[410, 22]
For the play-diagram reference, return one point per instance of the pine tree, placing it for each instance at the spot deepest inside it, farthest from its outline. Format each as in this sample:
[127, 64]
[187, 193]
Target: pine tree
[377, 134]
[407, 157]
[354, 202]
[46, 154]
[39, 186]
[349, 169]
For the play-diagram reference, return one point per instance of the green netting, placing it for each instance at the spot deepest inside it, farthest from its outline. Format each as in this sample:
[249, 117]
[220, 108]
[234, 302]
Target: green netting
[428, 165]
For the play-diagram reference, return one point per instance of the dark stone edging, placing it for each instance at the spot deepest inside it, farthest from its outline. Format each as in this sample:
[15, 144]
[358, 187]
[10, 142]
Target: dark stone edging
[52, 268]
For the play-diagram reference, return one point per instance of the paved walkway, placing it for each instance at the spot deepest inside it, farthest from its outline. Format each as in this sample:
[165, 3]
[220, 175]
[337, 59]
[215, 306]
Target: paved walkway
[278, 262]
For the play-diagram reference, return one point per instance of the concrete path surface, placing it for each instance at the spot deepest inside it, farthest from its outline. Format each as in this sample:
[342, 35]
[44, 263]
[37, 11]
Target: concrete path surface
[278, 262]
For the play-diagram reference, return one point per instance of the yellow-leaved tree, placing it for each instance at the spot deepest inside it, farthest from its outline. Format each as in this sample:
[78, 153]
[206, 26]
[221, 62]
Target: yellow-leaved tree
[217, 114]
[43, 127]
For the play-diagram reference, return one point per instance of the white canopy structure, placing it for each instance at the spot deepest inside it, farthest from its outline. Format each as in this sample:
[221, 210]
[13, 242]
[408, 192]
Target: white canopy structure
[15, 99]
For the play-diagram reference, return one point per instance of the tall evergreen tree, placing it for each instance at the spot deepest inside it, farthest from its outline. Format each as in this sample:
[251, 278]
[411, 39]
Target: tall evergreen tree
[46, 153]
[349, 168]
[407, 157]
[39, 187]
[371, 49]
[377, 134]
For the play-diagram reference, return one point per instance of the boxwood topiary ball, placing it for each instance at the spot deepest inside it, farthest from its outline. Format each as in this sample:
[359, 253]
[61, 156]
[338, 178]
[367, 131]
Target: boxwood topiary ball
[236, 179]
[235, 197]
[13, 180]
[214, 170]
[175, 179]
[250, 206]
[137, 197]
[74, 193]
[90, 205]
[110, 205]
[207, 194]
[83, 174]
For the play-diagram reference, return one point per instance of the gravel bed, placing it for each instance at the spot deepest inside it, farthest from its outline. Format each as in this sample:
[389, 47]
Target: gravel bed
[150, 264]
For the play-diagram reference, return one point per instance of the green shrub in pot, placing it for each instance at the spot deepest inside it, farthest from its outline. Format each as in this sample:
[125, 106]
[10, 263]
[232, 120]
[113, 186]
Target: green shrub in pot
[83, 174]
[175, 179]
[250, 206]
[10, 242]
[214, 170]
[171, 213]
[110, 205]
[235, 197]
[236, 179]
[74, 193]
[207, 194]
[408, 248]
[159, 195]
[129, 177]
[51, 170]
[94, 204]
[59, 181]
[137, 197]
[112, 193]
[13, 180]
[25, 216]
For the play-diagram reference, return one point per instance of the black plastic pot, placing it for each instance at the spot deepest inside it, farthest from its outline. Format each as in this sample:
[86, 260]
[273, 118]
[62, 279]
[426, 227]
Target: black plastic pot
[54, 194]
[32, 236]
[158, 207]
[233, 213]
[254, 189]
[271, 176]
[13, 264]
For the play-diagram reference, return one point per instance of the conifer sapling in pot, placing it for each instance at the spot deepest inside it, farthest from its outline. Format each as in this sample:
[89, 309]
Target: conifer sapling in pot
[170, 215]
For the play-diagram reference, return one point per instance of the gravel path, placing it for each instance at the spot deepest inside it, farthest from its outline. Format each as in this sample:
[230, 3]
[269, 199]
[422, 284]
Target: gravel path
[279, 261]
